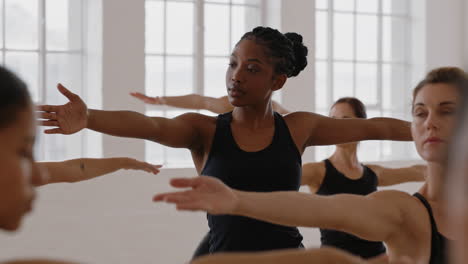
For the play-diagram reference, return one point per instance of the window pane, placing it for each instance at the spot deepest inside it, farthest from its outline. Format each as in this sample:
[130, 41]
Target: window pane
[395, 92]
[216, 29]
[154, 22]
[367, 5]
[179, 76]
[215, 72]
[180, 31]
[366, 83]
[218, 1]
[343, 80]
[238, 25]
[244, 19]
[321, 87]
[57, 21]
[343, 36]
[343, 5]
[394, 30]
[321, 31]
[153, 151]
[1, 23]
[154, 76]
[64, 69]
[367, 38]
[395, 6]
[25, 65]
[21, 24]
[321, 4]
[247, 2]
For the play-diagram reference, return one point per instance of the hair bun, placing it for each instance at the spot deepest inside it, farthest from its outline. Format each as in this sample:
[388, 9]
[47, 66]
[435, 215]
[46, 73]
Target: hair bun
[300, 52]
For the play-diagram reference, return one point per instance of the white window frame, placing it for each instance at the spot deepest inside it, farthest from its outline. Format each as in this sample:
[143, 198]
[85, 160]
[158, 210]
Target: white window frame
[399, 151]
[198, 55]
[42, 51]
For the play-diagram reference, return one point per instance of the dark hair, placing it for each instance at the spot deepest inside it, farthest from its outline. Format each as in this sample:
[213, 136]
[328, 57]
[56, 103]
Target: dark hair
[14, 96]
[447, 75]
[287, 51]
[358, 107]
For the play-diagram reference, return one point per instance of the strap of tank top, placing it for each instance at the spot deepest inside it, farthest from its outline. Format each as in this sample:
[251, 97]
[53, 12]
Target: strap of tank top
[279, 120]
[429, 210]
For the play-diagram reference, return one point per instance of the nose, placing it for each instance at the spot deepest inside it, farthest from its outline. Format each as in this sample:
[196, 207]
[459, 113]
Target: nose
[236, 75]
[432, 121]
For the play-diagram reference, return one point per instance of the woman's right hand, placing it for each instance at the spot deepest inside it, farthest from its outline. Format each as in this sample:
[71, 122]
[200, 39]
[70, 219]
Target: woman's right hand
[205, 193]
[65, 119]
[147, 99]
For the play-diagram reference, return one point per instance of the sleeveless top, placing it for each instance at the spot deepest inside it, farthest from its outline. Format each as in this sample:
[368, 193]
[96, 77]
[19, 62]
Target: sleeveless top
[335, 182]
[275, 168]
[438, 241]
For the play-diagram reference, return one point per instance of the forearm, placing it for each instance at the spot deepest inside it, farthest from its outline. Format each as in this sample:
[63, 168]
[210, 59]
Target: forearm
[122, 123]
[394, 129]
[191, 101]
[297, 256]
[83, 169]
[343, 212]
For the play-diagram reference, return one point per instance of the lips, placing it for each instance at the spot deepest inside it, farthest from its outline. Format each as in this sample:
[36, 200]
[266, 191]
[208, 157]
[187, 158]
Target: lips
[234, 90]
[433, 140]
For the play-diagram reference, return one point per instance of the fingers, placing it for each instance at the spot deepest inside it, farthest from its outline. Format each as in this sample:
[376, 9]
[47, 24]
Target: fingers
[172, 197]
[48, 108]
[53, 123]
[54, 131]
[71, 96]
[185, 182]
[48, 115]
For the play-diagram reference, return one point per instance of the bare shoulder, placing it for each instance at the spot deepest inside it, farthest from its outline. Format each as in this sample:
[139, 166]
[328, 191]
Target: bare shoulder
[197, 119]
[408, 204]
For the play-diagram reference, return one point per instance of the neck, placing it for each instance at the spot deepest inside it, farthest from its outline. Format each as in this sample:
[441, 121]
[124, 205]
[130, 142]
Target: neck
[433, 188]
[346, 156]
[254, 116]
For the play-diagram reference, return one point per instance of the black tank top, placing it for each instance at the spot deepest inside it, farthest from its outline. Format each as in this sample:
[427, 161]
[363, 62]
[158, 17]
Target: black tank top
[438, 241]
[335, 182]
[275, 168]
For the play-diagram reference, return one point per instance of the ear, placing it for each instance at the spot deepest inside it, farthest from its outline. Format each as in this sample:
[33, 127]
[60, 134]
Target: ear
[278, 81]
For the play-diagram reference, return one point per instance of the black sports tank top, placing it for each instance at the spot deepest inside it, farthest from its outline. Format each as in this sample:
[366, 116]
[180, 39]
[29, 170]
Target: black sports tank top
[335, 182]
[275, 168]
[438, 241]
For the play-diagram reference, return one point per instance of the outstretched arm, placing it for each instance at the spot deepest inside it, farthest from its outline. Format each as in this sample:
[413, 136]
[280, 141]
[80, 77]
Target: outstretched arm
[380, 210]
[191, 101]
[320, 130]
[392, 176]
[181, 132]
[292, 256]
[84, 169]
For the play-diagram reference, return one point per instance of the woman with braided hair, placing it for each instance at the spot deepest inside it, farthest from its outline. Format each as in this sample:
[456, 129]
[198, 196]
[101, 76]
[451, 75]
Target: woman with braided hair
[251, 148]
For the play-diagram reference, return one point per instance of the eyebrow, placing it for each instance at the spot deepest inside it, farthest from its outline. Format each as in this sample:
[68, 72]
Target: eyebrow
[440, 104]
[234, 55]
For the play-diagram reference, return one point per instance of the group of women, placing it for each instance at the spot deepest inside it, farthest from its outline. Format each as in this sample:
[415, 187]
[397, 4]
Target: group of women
[250, 159]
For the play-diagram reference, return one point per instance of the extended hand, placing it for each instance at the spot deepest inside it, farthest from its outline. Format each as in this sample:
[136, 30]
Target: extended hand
[134, 164]
[206, 194]
[68, 118]
[147, 99]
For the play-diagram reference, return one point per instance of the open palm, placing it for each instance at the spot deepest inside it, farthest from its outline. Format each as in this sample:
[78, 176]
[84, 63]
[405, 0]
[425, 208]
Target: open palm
[66, 119]
[206, 194]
